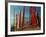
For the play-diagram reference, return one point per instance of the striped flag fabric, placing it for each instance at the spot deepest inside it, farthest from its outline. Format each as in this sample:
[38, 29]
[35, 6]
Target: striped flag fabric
[18, 21]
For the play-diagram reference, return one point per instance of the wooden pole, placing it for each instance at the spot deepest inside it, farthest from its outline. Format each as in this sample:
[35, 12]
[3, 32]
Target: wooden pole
[23, 18]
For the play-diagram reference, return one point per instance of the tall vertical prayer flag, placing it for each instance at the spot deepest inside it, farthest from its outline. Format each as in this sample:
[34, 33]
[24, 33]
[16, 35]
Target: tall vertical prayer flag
[33, 16]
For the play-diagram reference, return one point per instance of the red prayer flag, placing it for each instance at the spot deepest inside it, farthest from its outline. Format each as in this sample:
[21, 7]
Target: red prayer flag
[33, 15]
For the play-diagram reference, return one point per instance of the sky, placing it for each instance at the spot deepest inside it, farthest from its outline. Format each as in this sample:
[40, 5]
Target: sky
[16, 9]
